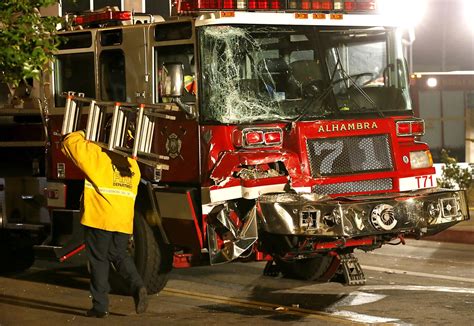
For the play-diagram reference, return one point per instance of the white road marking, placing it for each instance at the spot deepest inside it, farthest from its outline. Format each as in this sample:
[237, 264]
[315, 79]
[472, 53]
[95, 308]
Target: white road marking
[357, 298]
[404, 287]
[366, 319]
[350, 299]
[321, 315]
[403, 272]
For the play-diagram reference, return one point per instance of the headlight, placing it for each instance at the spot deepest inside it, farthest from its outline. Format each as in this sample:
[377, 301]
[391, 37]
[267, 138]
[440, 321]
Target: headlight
[421, 159]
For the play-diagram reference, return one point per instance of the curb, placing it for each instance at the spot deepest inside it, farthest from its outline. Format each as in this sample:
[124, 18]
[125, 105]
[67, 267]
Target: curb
[456, 236]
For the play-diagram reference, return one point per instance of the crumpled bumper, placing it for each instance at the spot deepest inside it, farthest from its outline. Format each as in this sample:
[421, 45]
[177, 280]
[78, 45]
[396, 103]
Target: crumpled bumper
[419, 212]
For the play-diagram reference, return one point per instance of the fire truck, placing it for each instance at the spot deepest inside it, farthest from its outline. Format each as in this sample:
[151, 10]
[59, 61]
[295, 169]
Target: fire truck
[265, 130]
[23, 211]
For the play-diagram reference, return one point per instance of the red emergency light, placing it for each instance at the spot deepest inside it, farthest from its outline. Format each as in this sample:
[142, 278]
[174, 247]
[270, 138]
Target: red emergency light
[410, 128]
[258, 137]
[265, 4]
[273, 138]
[254, 137]
[102, 17]
[187, 6]
[360, 5]
[310, 5]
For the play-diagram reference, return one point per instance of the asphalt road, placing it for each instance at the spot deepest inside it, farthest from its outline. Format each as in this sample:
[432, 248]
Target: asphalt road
[421, 283]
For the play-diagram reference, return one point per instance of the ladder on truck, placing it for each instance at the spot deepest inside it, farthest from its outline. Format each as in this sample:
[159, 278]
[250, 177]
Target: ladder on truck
[121, 117]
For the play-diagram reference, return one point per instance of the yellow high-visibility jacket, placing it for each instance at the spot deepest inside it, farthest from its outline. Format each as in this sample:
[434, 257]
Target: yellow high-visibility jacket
[110, 187]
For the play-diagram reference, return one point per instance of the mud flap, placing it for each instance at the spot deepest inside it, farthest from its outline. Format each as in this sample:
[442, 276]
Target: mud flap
[66, 238]
[70, 235]
[177, 216]
[351, 269]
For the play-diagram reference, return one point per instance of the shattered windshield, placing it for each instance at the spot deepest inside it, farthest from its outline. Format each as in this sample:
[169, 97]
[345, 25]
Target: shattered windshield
[273, 73]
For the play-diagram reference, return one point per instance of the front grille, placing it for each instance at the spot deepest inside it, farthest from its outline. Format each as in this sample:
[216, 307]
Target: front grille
[354, 186]
[347, 155]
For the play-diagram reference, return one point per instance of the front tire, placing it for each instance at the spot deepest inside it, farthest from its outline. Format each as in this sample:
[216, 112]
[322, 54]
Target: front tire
[152, 258]
[320, 268]
[16, 253]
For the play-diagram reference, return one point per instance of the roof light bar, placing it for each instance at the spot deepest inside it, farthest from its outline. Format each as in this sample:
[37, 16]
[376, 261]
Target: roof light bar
[102, 17]
[364, 5]
[187, 6]
[266, 4]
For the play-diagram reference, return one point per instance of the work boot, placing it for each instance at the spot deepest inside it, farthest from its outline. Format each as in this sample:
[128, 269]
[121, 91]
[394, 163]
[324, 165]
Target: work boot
[97, 314]
[141, 300]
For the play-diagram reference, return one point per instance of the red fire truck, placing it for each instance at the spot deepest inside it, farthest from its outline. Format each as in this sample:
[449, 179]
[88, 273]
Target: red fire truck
[23, 211]
[266, 130]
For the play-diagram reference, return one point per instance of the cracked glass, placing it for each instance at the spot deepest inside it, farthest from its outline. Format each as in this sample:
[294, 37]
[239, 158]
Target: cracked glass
[253, 73]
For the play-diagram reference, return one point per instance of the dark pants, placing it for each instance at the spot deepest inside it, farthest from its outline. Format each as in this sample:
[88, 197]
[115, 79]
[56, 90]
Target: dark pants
[104, 247]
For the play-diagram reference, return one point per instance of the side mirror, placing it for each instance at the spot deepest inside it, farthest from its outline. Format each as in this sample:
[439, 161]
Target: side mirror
[172, 80]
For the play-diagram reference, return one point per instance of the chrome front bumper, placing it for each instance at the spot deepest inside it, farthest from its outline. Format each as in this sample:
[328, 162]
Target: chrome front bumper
[420, 212]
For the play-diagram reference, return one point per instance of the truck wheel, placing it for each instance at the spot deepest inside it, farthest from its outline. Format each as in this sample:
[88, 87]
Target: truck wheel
[320, 268]
[16, 254]
[16, 259]
[152, 257]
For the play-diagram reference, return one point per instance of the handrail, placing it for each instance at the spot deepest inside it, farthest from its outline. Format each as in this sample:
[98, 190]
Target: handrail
[163, 106]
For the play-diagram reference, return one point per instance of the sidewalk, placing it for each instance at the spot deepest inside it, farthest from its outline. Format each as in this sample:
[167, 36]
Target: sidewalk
[462, 232]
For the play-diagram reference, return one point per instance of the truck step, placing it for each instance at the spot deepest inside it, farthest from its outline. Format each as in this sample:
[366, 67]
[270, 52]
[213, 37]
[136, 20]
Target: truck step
[24, 226]
[46, 252]
[351, 269]
[58, 253]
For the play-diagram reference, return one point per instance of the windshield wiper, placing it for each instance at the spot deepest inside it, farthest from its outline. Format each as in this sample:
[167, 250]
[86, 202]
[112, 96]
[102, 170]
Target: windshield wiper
[354, 84]
[321, 97]
[312, 101]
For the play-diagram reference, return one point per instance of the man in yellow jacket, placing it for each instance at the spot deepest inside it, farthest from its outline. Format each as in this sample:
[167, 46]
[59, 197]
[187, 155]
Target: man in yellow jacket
[107, 209]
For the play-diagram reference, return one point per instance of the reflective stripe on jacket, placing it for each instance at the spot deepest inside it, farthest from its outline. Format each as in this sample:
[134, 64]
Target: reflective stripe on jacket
[110, 187]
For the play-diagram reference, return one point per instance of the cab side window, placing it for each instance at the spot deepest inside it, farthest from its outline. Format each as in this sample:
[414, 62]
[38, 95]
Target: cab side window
[112, 76]
[183, 54]
[74, 72]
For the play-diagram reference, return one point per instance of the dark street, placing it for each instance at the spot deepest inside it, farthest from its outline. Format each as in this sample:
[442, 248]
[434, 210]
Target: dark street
[423, 282]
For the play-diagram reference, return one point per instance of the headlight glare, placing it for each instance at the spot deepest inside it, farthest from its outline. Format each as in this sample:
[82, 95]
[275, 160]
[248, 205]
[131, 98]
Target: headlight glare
[421, 159]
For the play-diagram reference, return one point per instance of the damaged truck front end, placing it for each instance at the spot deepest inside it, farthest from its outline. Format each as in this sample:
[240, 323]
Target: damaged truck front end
[311, 150]
[418, 213]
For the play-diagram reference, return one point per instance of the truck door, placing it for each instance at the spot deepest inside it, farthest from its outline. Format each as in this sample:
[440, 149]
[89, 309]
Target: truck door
[123, 64]
[178, 139]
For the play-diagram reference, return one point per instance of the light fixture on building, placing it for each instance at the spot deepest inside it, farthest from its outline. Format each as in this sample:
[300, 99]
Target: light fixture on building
[432, 82]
